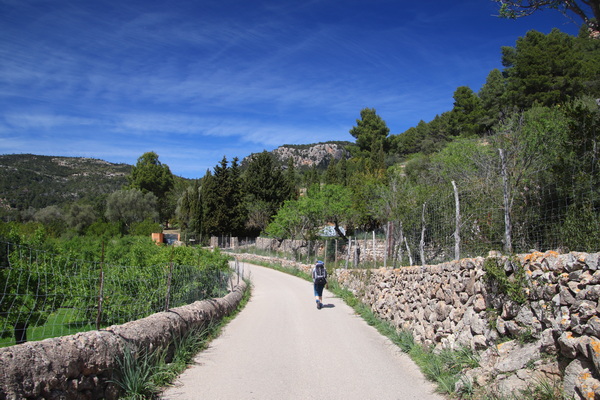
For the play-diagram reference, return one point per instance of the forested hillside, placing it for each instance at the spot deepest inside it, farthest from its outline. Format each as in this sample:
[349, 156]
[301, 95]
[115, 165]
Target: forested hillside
[36, 181]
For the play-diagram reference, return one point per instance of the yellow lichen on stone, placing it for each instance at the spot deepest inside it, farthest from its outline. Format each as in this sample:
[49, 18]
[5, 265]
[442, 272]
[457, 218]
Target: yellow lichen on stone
[595, 345]
[533, 256]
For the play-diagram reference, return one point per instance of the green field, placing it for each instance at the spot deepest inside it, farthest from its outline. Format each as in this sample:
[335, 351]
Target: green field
[65, 321]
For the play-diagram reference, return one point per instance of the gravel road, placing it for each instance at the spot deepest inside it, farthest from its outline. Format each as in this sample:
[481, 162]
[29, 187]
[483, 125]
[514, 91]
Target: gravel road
[282, 347]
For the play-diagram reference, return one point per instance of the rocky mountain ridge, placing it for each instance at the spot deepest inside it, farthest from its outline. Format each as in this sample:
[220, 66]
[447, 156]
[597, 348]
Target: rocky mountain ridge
[309, 155]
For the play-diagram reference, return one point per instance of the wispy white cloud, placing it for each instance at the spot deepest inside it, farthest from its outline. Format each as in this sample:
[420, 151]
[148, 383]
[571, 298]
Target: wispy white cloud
[45, 121]
[195, 81]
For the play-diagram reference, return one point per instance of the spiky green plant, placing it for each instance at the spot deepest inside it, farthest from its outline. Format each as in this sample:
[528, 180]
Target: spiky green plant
[134, 375]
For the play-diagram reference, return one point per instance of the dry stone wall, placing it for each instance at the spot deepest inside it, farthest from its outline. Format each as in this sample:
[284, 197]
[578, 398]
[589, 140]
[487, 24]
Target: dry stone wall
[368, 249]
[543, 321]
[81, 366]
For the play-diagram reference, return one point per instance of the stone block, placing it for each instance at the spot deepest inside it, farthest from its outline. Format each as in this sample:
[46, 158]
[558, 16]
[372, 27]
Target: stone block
[525, 315]
[575, 373]
[479, 304]
[593, 327]
[500, 326]
[566, 296]
[592, 292]
[547, 342]
[568, 345]
[513, 357]
[479, 342]
[510, 309]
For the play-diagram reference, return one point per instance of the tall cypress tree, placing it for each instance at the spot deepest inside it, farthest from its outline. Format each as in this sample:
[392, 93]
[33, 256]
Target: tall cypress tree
[266, 188]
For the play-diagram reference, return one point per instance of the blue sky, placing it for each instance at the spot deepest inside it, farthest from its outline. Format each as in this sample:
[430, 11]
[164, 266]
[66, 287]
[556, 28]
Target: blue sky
[198, 80]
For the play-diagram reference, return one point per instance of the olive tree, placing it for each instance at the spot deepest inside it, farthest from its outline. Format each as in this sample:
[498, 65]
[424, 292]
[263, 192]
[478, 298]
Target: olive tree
[129, 206]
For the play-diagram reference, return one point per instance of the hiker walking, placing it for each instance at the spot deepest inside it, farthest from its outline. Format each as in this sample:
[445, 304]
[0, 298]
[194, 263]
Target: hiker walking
[319, 275]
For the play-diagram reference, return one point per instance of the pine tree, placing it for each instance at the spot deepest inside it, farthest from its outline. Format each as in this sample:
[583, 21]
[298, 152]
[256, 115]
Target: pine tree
[492, 95]
[542, 69]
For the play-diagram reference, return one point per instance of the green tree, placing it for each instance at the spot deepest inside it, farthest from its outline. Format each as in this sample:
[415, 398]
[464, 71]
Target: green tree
[302, 218]
[296, 219]
[466, 117]
[145, 228]
[425, 138]
[362, 184]
[331, 173]
[266, 189]
[335, 205]
[223, 211]
[542, 69]
[586, 10]
[528, 144]
[312, 177]
[409, 142]
[590, 65]
[80, 217]
[291, 178]
[398, 201]
[342, 171]
[129, 206]
[53, 218]
[150, 175]
[578, 172]
[492, 98]
[371, 132]
[189, 209]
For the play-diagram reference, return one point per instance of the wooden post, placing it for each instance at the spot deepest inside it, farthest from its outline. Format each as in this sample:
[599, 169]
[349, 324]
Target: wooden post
[410, 259]
[457, 222]
[386, 248]
[374, 251]
[100, 291]
[169, 279]
[335, 254]
[400, 242]
[349, 250]
[506, 195]
[422, 244]
[366, 248]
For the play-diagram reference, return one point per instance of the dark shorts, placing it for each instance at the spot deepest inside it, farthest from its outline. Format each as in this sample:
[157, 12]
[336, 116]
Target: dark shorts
[318, 289]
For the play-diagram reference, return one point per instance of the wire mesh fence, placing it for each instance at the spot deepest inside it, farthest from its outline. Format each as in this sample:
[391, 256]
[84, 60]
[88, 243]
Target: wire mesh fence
[458, 223]
[46, 295]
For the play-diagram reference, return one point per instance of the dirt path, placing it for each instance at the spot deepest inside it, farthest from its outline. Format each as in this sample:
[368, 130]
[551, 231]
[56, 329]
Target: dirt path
[281, 347]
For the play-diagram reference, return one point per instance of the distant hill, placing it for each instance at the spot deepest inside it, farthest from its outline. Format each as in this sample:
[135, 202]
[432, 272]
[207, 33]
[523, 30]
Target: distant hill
[28, 180]
[309, 155]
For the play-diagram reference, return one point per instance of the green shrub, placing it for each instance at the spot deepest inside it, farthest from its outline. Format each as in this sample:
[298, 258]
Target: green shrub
[512, 286]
